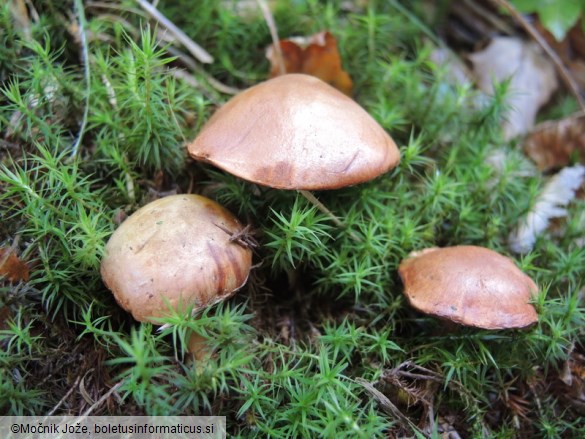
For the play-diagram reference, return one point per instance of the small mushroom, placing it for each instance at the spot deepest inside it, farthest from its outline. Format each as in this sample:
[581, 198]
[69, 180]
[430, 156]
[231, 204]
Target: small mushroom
[469, 285]
[296, 132]
[175, 252]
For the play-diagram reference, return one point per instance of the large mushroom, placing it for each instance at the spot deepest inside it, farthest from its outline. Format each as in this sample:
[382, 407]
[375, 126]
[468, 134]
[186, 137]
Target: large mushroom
[469, 285]
[296, 132]
[174, 253]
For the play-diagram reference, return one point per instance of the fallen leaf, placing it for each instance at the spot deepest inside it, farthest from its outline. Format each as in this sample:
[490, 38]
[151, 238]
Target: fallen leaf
[316, 55]
[551, 203]
[11, 267]
[552, 144]
[532, 79]
[455, 70]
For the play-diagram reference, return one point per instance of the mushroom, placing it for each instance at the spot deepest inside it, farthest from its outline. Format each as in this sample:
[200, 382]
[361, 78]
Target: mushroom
[172, 253]
[296, 132]
[469, 285]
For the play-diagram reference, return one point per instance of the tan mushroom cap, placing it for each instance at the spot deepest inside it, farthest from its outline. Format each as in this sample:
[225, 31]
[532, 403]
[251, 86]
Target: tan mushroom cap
[173, 250]
[469, 285]
[296, 132]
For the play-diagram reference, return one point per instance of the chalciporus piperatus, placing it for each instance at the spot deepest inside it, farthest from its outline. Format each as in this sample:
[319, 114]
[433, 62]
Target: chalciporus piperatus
[174, 254]
[469, 285]
[296, 132]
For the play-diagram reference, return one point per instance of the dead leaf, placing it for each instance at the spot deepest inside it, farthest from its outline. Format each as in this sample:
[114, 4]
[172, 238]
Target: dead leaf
[316, 55]
[532, 79]
[551, 144]
[551, 203]
[11, 267]
[455, 70]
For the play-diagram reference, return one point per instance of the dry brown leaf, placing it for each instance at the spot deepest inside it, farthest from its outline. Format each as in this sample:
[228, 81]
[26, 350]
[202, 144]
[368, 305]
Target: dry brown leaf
[532, 79]
[551, 203]
[552, 143]
[316, 55]
[11, 267]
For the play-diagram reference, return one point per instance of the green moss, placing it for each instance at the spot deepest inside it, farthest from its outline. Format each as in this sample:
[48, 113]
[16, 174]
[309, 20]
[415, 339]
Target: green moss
[322, 310]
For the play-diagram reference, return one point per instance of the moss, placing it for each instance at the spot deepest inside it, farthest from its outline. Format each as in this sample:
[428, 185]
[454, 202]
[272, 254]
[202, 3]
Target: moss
[322, 310]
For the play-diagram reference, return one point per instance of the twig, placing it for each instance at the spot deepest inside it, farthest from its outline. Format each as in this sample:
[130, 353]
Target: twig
[86, 73]
[62, 400]
[565, 74]
[274, 34]
[313, 199]
[491, 17]
[183, 57]
[387, 406]
[191, 64]
[102, 399]
[196, 50]
[244, 237]
[82, 390]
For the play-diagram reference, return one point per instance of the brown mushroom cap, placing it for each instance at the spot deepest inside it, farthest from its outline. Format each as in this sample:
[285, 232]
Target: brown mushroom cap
[296, 132]
[173, 250]
[469, 285]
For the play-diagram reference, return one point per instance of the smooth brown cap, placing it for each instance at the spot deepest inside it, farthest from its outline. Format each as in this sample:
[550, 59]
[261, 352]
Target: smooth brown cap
[172, 249]
[296, 132]
[469, 285]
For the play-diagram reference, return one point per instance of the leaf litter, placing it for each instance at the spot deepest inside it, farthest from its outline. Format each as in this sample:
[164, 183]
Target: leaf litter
[551, 203]
[532, 80]
[552, 144]
[315, 55]
[11, 267]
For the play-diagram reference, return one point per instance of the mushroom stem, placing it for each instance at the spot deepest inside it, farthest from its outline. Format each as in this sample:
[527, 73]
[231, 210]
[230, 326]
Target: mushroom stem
[198, 347]
[309, 196]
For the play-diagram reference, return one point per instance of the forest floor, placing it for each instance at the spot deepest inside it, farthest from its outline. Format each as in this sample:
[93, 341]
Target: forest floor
[98, 102]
